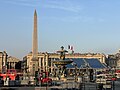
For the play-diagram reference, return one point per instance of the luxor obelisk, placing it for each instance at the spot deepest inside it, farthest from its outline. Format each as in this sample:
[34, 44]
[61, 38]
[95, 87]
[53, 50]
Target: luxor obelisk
[35, 38]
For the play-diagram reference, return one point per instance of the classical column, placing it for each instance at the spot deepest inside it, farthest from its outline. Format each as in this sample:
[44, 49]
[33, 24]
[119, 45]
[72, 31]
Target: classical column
[9, 65]
[14, 65]
[46, 60]
[43, 63]
[39, 64]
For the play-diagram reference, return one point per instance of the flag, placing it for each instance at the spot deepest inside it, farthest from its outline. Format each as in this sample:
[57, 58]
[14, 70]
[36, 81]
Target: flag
[68, 46]
[72, 48]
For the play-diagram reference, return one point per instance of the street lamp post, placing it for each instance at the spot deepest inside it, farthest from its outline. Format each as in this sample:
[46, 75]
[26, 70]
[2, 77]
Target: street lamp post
[75, 72]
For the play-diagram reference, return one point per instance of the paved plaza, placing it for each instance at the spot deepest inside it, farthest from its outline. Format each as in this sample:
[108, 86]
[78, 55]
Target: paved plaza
[64, 86]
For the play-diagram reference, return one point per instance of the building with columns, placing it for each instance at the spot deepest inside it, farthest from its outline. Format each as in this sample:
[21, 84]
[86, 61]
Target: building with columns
[3, 61]
[8, 62]
[44, 62]
[12, 62]
[113, 60]
[30, 66]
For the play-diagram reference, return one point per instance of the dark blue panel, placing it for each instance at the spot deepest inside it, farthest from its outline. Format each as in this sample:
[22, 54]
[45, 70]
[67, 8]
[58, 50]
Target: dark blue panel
[78, 61]
[94, 63]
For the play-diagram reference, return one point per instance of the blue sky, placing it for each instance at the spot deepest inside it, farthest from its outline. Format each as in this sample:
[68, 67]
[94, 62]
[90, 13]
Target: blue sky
[87, 25]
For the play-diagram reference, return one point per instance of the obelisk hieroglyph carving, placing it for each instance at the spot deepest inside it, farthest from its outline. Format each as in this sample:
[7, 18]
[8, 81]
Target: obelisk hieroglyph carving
[35, 37]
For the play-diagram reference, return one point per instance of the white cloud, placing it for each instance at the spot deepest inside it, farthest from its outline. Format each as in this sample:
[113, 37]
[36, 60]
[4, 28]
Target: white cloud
[66, 5]
[21, 2]
[66, 8]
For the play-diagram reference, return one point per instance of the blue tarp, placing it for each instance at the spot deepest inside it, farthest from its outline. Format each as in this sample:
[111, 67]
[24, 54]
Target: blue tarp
[95, 63]
[84, 62]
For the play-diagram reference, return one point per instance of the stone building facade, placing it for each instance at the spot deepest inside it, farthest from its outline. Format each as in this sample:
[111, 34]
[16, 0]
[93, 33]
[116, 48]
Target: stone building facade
[12, 62]
[29, 65]
[3, 61]
[114, 60]
[44, 61]
[8, 62]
